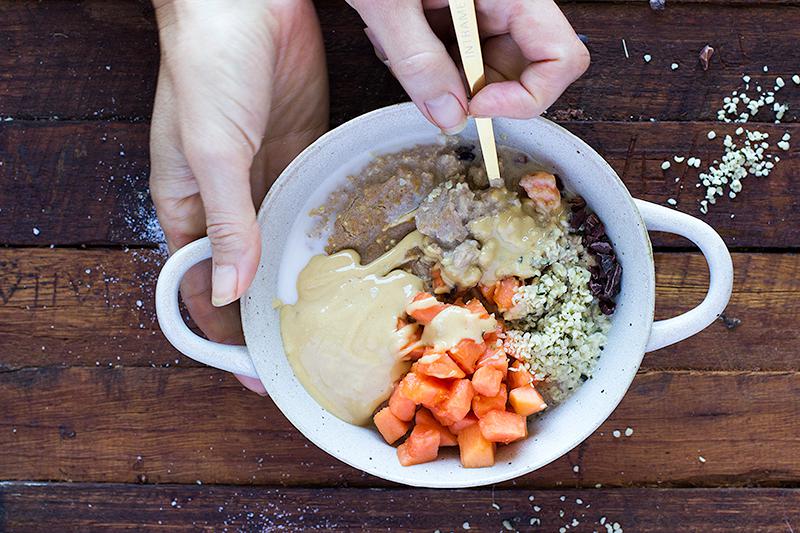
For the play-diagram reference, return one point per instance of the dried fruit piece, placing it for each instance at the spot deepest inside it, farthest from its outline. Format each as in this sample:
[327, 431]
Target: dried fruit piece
[705, 56]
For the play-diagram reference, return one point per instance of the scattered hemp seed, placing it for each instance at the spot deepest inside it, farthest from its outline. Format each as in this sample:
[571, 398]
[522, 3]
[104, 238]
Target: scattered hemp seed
[665, 165]
[796, 79]
[616, 433]
[779, 83]
[712, 134]
[766, 68]
[465, 525]
[647, 58]
[783, 145]
[701, 458]
[705, 56]
[672, 201]
[679, 159]
[674, 66]
[576, 468]
[628, 432]
[658, 5]
[36, 231]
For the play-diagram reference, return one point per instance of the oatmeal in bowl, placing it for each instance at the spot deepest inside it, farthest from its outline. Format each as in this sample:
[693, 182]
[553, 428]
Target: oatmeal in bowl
[483, 331]
[508, 294]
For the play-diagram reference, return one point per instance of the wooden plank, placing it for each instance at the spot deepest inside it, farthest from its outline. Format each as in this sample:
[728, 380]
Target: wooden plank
[180, 426]
[87, 60]
[86, 183]
[94, 507]
[69, 307]
[48, 301]
[99, 59]
[82, 184]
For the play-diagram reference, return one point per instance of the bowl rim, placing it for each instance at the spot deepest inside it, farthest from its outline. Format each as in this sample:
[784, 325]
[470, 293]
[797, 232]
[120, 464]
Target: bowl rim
[482, 476]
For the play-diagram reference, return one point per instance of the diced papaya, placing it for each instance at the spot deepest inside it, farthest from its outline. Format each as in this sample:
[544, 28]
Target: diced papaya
[413, 354]
[491, 337]
[441, 416]
[456, 404]
[425, 418]
[440, 286]
[483, 404]
[466, 354]
[503, 426]
[401, 407]
[422, 389]
[424, 307]
[476, 451]
[518, 375]
[477, 307]
[504, 292]
[494, 357]
[439, 365]
[413, 348]
[487, 291]
[526, 400]
[422, 446]
[486, 381]
[391, 427]
[468, 420]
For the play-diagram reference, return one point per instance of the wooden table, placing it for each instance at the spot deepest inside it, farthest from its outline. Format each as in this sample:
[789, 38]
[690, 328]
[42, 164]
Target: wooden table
[104, 426]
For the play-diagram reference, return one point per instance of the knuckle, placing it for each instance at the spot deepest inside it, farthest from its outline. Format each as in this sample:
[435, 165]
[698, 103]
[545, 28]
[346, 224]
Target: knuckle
[581, 57]
[416, 64]
[215, 151]
[227, 236]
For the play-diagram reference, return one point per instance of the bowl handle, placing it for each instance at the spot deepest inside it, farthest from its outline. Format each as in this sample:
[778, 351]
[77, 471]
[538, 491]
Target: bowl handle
[223, 356]
[720, 268]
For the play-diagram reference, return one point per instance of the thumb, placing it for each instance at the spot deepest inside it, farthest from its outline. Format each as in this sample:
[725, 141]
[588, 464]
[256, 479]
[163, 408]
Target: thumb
[224, 182]
[418, 60]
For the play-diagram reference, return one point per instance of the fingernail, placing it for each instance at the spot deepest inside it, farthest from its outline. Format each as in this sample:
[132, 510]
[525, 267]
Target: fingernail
[223, 285]
[447, 112]
[378, 48]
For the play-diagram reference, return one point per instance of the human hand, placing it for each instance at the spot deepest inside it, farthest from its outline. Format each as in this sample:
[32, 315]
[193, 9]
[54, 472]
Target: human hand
[530, 51]
[242, 89]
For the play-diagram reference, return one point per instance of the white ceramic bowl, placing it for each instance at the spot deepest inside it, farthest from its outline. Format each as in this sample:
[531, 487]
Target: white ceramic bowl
[284, 221]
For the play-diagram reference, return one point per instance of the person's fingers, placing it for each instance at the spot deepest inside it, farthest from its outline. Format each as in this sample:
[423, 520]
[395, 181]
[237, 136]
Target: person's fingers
[418, 59]
[224, 181]
[219, 152]
[254, 384]
[503, 56]
[546, 41]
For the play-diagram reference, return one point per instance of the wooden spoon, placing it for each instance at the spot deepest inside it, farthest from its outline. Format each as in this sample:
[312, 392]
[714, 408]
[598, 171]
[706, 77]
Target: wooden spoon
[469, 45]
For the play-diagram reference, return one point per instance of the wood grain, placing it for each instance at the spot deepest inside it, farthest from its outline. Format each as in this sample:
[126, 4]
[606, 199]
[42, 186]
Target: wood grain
[86, 183]
[94, 507]
[65, 307]
[182, 425]
[46, 44]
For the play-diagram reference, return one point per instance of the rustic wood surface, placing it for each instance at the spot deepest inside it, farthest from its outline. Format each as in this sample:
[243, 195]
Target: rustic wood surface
[103, 426]
[49, 297]
[87, 182]
[201, 508]
[178, 425]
